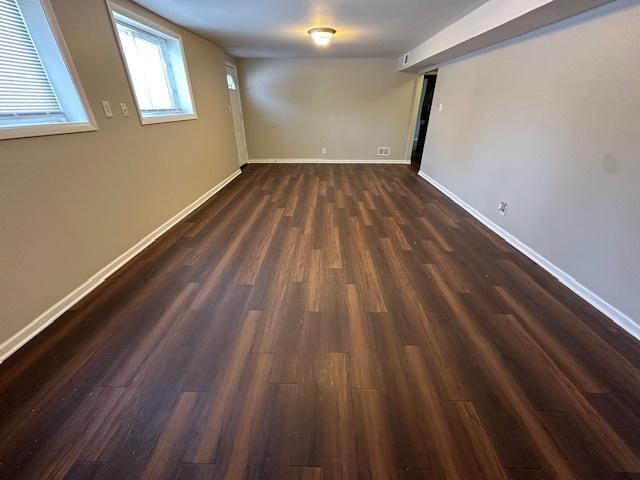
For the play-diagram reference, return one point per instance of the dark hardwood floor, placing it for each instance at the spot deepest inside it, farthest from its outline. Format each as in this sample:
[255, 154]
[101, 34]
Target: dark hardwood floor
[333, 321]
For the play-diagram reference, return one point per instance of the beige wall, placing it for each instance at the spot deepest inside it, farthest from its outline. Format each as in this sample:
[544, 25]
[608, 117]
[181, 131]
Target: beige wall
[294, 107]
[550, 123]
[70, 204]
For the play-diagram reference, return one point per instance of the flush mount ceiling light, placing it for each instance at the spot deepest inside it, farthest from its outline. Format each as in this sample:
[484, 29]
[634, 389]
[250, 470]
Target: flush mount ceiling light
[321, 36]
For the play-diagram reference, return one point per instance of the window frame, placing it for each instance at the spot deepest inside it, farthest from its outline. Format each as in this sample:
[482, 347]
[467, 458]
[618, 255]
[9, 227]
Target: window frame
[24, 131]
[145, 23]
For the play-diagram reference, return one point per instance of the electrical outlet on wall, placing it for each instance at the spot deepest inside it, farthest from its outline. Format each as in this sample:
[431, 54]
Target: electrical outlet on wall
[324, 150]
[502, 208]
[125, 110]
[384, 151]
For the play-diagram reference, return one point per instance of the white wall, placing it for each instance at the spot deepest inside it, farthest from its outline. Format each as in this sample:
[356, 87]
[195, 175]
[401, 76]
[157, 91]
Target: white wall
[293, 108]
[550, 123]
[490, 23]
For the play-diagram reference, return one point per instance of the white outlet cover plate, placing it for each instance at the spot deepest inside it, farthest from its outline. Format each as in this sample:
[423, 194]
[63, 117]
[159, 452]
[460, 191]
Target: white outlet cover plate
[106, 107]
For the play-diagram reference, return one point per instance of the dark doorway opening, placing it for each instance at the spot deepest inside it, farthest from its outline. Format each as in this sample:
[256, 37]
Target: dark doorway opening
[420, 135]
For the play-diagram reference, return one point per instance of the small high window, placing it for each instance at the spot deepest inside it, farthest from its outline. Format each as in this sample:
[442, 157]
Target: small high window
[231, 83]
[39, 89]
[157, 70]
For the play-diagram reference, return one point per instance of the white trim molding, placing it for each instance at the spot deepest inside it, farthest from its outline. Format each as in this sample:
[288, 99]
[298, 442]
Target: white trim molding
[11, 345]
[618, 317]
[329, 160]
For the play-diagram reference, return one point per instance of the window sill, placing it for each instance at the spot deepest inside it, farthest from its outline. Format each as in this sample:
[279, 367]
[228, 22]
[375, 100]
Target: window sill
[8, 133]
[168, 118]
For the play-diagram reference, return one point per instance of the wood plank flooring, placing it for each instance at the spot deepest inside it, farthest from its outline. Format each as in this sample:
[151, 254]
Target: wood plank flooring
[325, 322]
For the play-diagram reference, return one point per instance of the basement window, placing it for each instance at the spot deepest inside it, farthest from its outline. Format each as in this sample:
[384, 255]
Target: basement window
[231, 83]
[39, 89]
[155, 63]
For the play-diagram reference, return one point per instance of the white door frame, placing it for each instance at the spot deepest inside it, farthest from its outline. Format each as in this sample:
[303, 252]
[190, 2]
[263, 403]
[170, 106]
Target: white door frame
[413, 115]
[415, 111]
[241, 138]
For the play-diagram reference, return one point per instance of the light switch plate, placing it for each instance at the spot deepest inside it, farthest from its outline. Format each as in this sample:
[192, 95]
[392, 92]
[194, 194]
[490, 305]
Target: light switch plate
[106, 106]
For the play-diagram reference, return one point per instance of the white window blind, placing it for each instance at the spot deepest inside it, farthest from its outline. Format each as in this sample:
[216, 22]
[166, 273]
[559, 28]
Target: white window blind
[156, 67]
[40, 93]
[148, 62]
[26, 91]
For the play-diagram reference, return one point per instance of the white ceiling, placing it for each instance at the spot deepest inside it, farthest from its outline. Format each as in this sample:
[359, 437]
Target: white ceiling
[277, 28]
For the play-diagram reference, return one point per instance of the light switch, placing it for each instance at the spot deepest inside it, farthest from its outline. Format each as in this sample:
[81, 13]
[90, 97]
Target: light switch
[106, 106]
[440, 108]
[125, 110]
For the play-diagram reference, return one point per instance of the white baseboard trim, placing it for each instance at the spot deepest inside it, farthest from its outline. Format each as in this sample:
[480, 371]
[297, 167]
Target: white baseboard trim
[329, 160]
[10, 346]
[618, 317]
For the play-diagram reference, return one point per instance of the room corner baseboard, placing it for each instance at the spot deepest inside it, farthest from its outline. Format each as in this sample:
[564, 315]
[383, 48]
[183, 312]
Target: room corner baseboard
[618, 317]
[330, 160]
[11, 345]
